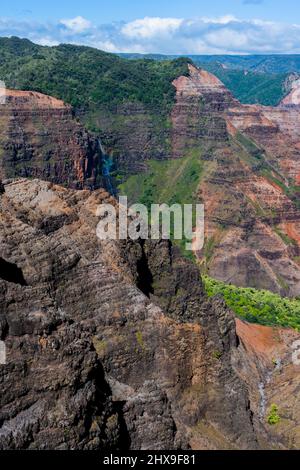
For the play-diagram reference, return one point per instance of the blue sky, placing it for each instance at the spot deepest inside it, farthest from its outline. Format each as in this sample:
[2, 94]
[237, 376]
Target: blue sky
[185, 26]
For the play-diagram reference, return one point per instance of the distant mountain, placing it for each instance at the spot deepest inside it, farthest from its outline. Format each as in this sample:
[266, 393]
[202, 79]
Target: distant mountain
[279, 63]
[85, 77]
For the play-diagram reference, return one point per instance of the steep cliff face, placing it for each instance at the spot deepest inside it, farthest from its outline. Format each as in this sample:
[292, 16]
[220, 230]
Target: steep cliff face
[39, 137]
[200, 98]
[269, 364]
[250, 158]
[93, 362]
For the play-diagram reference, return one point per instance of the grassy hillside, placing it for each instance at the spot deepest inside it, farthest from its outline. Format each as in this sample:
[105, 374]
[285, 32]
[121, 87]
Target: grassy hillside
[166, 182]
[257, 306]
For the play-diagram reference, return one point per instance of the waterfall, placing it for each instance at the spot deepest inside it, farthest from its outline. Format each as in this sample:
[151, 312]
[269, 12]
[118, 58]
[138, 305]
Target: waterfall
[263, 400]
[262, 388]
[101, 147]
[107, 164]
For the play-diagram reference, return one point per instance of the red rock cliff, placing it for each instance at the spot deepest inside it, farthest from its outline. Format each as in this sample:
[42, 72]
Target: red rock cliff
[39, 137]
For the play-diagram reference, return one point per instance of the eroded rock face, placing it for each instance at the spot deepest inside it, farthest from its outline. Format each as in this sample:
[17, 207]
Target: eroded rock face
[40, 138]
[196, 115]
[249, 183]
[93, 362]
[268, 364]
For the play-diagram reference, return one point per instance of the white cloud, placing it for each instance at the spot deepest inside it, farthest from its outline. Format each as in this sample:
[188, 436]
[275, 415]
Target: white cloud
[77, 25]
[226, 34]
[221, 20]
[227, 38]
[147, 27]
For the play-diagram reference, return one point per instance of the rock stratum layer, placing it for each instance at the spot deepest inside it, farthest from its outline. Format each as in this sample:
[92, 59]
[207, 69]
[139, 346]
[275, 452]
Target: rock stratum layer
[249, 184]
[40, 138]
[113, 345]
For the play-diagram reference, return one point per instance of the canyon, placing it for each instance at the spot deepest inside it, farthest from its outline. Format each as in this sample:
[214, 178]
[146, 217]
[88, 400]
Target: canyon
[249, 154]
[248, 181]
[115, 345]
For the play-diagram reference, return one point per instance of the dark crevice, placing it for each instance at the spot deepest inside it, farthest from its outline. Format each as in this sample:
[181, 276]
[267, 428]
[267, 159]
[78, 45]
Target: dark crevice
[103, 406]
[4, 330]
[124, 441]
[10, 272]
[145, 278]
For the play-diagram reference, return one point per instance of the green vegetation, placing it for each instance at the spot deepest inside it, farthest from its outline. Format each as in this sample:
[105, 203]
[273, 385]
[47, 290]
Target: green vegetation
[166, 182]
[209, 247]
[251, 79]
[251, 87]
[257, 306]
[273, 416]
[86, 77]
[217, 355]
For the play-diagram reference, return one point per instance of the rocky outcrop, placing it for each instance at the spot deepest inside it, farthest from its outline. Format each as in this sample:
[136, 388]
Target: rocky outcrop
[132, 134]
[115, 346]
[40, 138]
[200, 98]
